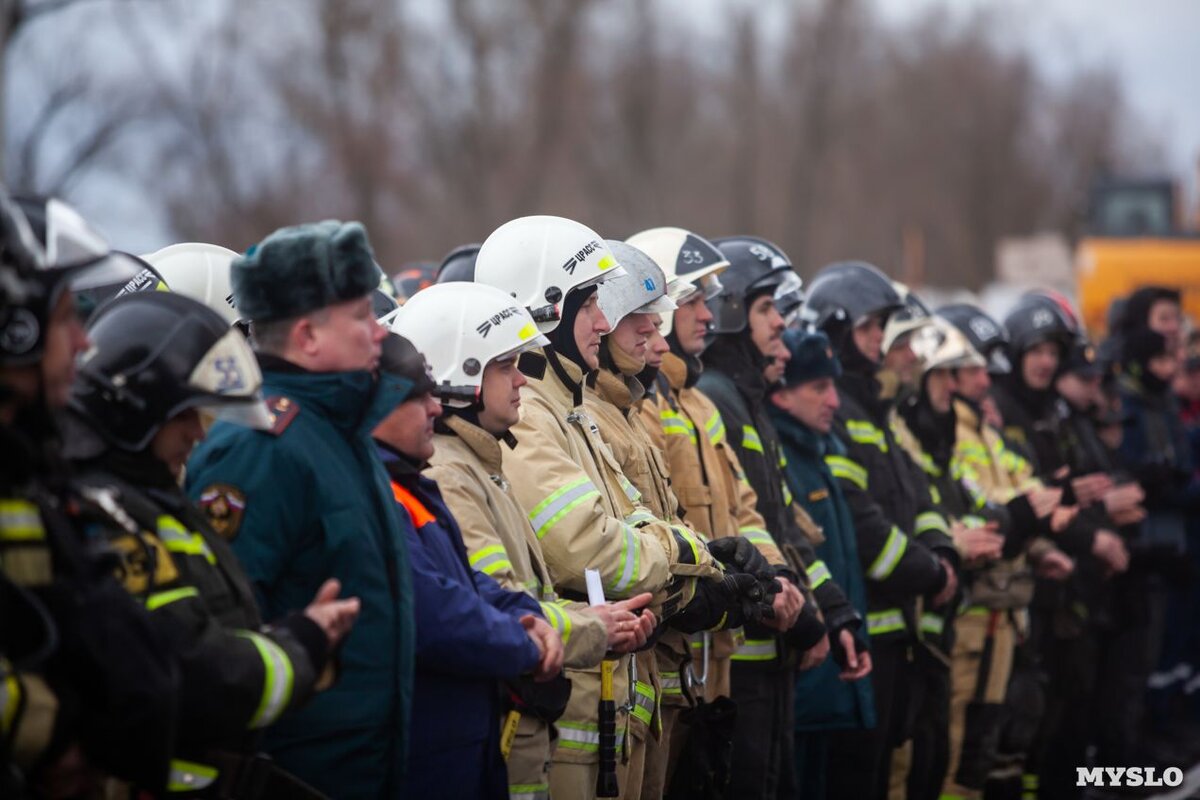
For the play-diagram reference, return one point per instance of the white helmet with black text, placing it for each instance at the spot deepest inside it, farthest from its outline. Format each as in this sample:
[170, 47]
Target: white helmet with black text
[691, 264]
[539, 260]
[460, 328]
[199, 271]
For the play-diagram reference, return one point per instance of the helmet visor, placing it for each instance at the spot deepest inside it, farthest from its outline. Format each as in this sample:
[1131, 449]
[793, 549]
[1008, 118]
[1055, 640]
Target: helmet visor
[229, 376]
[659, 305]
[247, 413]
[110, 269]
[789, 297]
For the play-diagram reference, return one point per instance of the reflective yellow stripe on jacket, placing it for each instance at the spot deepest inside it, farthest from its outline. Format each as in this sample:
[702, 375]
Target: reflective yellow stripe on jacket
[893, 550]
[560, 503]
[887, 621]
[277, 687]
[847, 469]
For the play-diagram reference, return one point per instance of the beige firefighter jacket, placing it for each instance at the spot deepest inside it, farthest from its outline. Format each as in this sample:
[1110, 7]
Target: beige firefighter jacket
[587, 514]
[468, 467]
[612, 402]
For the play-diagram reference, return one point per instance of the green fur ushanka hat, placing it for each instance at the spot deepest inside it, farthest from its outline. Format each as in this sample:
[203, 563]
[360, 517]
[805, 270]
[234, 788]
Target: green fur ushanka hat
[303, 268]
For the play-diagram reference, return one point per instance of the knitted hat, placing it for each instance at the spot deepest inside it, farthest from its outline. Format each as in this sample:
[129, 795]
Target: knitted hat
[812, 358]
[304, 268]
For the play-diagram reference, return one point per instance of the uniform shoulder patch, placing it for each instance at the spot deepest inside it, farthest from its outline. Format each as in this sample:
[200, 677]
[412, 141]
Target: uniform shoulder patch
[224, 505]
[283, 410]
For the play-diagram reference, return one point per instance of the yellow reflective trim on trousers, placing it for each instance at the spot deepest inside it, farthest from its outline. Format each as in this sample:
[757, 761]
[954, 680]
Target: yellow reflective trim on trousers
[277, 685]
[490, 560]
[644, 702]
[887, 621]
[756, 650]
[583, 736]
[10, 701]
[932, 521]
[630, 556]
[558, 620]
[529, 791]
[845, 468]
[818, 573]
[932, 623]
[750, 439]
[715, 427]
[893, 550]
[670, 682]
[178, 539]
[865, 432]
[188, 776]
[20, 521]
[160, 599]
[560, 503]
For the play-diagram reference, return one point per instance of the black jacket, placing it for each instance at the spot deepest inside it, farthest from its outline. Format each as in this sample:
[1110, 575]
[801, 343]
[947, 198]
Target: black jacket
[733, 380]
[237, 675]
[96, 654]
[900, 532]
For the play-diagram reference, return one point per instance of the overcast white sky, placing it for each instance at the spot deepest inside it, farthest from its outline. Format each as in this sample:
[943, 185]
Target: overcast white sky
[1153, 44]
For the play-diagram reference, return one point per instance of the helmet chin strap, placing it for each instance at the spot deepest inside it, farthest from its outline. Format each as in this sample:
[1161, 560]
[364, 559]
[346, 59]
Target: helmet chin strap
[576, 387]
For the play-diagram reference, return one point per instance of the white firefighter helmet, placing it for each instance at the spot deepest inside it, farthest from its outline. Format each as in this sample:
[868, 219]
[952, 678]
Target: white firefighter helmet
[907, 320]
[539, 260]
[938, 344]
[199, 271]
[641, 290]
[691, 263]
[462, 327]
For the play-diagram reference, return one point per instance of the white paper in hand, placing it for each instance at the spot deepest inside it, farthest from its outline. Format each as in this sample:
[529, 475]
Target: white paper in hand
[594, 586]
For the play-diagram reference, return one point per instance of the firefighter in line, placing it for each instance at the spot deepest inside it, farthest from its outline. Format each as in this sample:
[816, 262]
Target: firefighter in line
[583, 509]
[473, 336]
[138, 406]
[903, 542]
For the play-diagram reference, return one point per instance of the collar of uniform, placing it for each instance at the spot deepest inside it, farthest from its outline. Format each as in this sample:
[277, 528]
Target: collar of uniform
[354, 402]
[675, 368]
[967, 414]
[484, 445]
[551, 386]
[799, 435]
[616, 389]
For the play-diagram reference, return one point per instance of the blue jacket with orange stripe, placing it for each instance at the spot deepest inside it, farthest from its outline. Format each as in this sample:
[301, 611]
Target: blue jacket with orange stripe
[469, 638]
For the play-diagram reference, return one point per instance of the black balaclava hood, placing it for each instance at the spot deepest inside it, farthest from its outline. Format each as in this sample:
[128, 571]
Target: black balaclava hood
[1136, 314]
[934, 430]
[1140, 348]
[562, 338]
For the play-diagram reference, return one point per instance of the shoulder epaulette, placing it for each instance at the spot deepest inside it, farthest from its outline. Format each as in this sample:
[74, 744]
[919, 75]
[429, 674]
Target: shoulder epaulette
[283, 410]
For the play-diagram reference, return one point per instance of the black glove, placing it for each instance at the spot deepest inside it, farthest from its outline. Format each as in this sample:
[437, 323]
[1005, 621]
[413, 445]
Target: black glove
[740, 554]
[734, 600]
[808, 629]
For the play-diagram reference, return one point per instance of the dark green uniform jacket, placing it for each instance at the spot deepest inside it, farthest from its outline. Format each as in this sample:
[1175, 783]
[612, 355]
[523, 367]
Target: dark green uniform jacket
[824, 701]
[304, 502]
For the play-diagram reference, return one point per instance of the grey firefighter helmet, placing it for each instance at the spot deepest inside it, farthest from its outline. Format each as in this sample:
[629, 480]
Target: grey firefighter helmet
[641, 290]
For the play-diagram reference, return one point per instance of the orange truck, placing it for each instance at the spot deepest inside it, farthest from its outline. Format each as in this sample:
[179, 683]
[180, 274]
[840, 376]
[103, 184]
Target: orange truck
[1135, 237]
